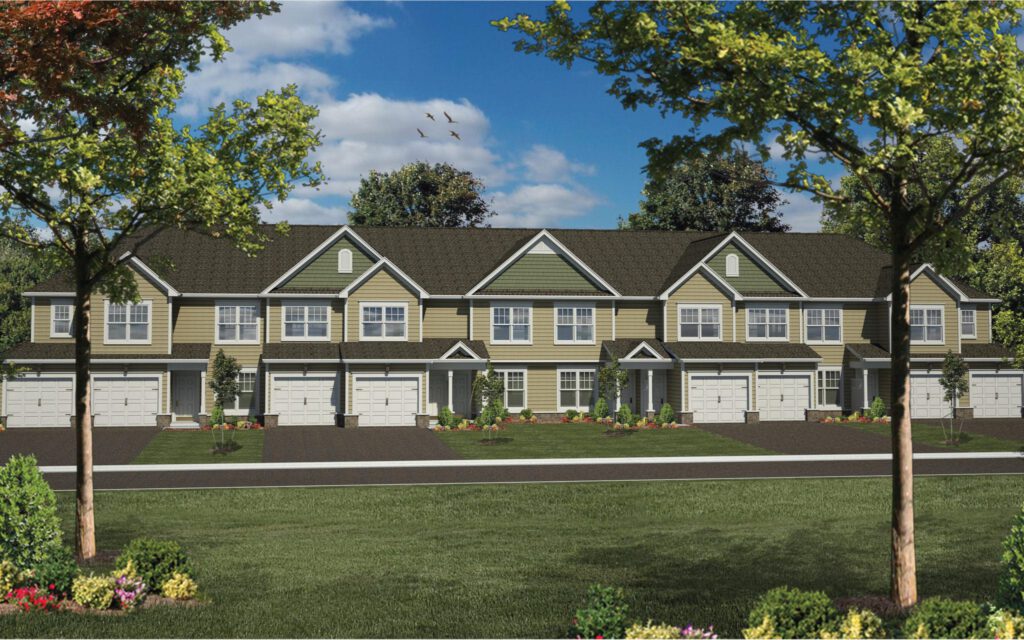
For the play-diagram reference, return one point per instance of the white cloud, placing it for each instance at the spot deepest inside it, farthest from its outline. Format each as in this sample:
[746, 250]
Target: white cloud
[801, 213]
[544, 164]
[541, 205]
[298, 210]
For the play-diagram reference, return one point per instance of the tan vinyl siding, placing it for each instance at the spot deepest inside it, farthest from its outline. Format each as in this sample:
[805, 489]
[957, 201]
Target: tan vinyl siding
[158, 322]
[673, 379]
[274, 317]
[542, 388]
[860, 325]
[42, 320]
[637, 319]
[543, 346]
[383, 287]
[793, 330]
[982, 315]
[542, 272]
[446, 319]
[698, 290]
[322, 272]
[751, 279]
[924, 291]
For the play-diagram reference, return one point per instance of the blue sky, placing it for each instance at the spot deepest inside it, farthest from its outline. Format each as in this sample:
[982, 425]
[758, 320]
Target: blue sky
[552, 147]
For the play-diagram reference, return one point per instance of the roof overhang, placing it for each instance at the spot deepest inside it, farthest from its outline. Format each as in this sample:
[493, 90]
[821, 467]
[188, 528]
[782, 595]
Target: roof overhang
[383, 263]
[150, 275]
[702, 268]
[461, 346]
[747, 360]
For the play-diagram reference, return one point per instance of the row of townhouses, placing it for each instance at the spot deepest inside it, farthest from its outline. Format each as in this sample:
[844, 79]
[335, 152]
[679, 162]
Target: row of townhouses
[374, 326]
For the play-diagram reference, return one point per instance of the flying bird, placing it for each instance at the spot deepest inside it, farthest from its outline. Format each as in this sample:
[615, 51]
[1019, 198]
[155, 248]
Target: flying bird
[422, 135]
[450, 120]
[431, 116]
[454, 135]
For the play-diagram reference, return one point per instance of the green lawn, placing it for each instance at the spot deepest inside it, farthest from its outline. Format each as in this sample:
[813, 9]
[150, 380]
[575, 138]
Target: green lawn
[931, 434]
[588, 441]
[193, 447]
[515, 560]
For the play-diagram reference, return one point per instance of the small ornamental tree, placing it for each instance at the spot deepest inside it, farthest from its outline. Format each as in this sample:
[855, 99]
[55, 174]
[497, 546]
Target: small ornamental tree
[611, 379]
[954, 383]
[224, 384]
[488, 390]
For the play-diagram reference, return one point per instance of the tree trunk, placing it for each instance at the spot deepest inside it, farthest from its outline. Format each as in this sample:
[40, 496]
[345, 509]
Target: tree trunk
[904, 562]
[85, 523]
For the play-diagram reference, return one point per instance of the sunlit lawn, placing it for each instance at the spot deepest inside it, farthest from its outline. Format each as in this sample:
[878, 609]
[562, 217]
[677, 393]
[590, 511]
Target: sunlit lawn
[931, 434]
[194, 447]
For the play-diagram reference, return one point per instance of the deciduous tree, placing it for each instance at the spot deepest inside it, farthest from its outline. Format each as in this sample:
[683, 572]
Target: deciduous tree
[420, 195]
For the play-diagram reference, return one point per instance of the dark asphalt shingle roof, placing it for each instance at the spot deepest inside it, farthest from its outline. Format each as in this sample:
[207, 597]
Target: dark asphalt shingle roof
[429, 349]
[765, 351]
[986, 350]
[866, 351]
[66, 351]
[622, 347]
[301, 351]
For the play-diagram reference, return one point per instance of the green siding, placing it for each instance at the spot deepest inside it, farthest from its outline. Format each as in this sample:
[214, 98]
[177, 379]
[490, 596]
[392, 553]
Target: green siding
[542, 272]
[752, 278]
[322, 273]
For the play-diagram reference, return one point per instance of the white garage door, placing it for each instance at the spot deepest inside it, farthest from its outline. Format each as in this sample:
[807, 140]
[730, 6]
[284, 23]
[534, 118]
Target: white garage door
[386, 402]
[926, 396]
[996, 395]
[718, 398]
[40, 402]
[304, 400]
[125, 402]
[783, 397]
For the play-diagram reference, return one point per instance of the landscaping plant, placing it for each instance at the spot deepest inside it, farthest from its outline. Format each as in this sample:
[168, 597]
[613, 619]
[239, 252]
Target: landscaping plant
[445, 417]
[945, 618]
[651, 631]
[57, 572]
[129, 590]
[785, 612]
[877, 409]
[955, 383]
[29, 526]
[601, 408]
[224, 384]
[625, 415]
[154, 561]
[12, 577]
[180, 586]
[604, 616]
[33, 599]
[666, 415]
[93, 592]
[1011, 578]
[488, 391]
[861, 623]
[1004, 625]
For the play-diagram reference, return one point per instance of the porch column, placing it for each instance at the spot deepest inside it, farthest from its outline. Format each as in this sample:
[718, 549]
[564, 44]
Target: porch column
[451, 375]
[867, 401]
[650, 390]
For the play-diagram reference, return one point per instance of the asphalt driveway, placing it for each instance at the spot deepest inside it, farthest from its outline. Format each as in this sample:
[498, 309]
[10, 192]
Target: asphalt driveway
[328, 444]
[54, 446]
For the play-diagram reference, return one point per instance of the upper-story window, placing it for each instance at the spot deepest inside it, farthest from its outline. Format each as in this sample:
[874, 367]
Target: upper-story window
[237, 322]
[767, 323]
[510, 323]
[128, 323]
[926, 325]
[382, 321]
[60, 319]
[700, 322]
[306, 321]
[574, 324]
[345, 261]
[968, 323]
[825, 325]
[732, 265]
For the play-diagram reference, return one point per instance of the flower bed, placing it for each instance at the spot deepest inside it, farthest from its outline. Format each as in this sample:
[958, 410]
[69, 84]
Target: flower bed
[469, 425]
[855, 418]
[241, 425]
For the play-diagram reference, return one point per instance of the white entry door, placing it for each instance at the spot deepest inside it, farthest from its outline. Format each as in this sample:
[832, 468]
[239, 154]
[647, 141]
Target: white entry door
[386, 402]
[927, 396]
[304, 400]
[782, 397]
[40, 402]
[995, 395]
[718, 398]
[118, 401]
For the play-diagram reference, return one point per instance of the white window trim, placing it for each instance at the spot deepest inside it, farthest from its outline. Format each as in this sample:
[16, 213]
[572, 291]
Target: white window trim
[574, 306]
[699, 338]
[305, 314]
[526, 387]
[235, 410]
[974, 311]
[235, 303]
[558, 388]
[342, 267]
[942, 323]
[839, 393]
[766, 307]
[62, 302]
[127, 310]
[511, 305]
[382, 305]
[732, 266]
[807, 315]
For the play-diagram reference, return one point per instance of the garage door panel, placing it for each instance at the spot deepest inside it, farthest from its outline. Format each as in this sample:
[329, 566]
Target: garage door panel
[40, 402]
[718, 398]
[304, 400]
[125, 402]
[927, 398]
[996, 395]
[386, 402]
[783, 397]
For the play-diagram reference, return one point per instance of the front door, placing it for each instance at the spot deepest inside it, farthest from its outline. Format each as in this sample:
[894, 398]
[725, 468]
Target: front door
[186, 393]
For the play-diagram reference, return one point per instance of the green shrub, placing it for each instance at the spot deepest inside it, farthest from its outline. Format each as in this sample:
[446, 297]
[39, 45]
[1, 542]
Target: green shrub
[877, 408]
[601, 408]
[180, 587]
[29, 526]
[1004, 624]
[155, 561]
[945, 618]
[861, 623]
[625, 415]
[793, 613]
[12, 577]
[651, 631]
[526, 414]
[604, 615]
[217, 415]
[571, 414]
[666, 414]
[93, 592]
[445, 417]
[59, 569]
[1011, 578]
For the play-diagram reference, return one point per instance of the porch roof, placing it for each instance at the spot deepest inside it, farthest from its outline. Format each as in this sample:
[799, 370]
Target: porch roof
[429, 349]
[65, 351]
[624, 346]
[708, 351]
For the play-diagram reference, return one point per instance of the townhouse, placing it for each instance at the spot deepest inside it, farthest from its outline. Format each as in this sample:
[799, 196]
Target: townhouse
[379, 327]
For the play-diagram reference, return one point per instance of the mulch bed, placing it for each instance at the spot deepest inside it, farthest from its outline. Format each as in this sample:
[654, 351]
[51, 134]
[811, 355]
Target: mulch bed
[70, 606]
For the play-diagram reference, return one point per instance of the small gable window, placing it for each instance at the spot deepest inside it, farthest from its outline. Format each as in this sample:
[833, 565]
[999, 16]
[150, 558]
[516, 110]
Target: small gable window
[345, 261]
[732, 265]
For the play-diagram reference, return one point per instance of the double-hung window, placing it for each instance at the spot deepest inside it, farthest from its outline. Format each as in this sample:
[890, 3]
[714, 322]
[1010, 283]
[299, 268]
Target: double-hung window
[829, 381]
[510, 323]
[306, 321]
[383, 321]
[700, 322]
[128, 323]
[237, 322]
[575, 389]
[926, 325]
[60, 319]
[515, 388]
[767, 323]
[968, 323]
[574, 325]
[243, 402]
[825, 325]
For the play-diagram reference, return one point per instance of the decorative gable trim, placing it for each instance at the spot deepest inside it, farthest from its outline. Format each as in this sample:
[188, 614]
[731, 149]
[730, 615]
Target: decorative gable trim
[345, 230]
[707, 272]
[652, 354]
[149, 274]
[939, 279]
[545, 235]
[464, 348]
[754, 254]
[383, 263]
